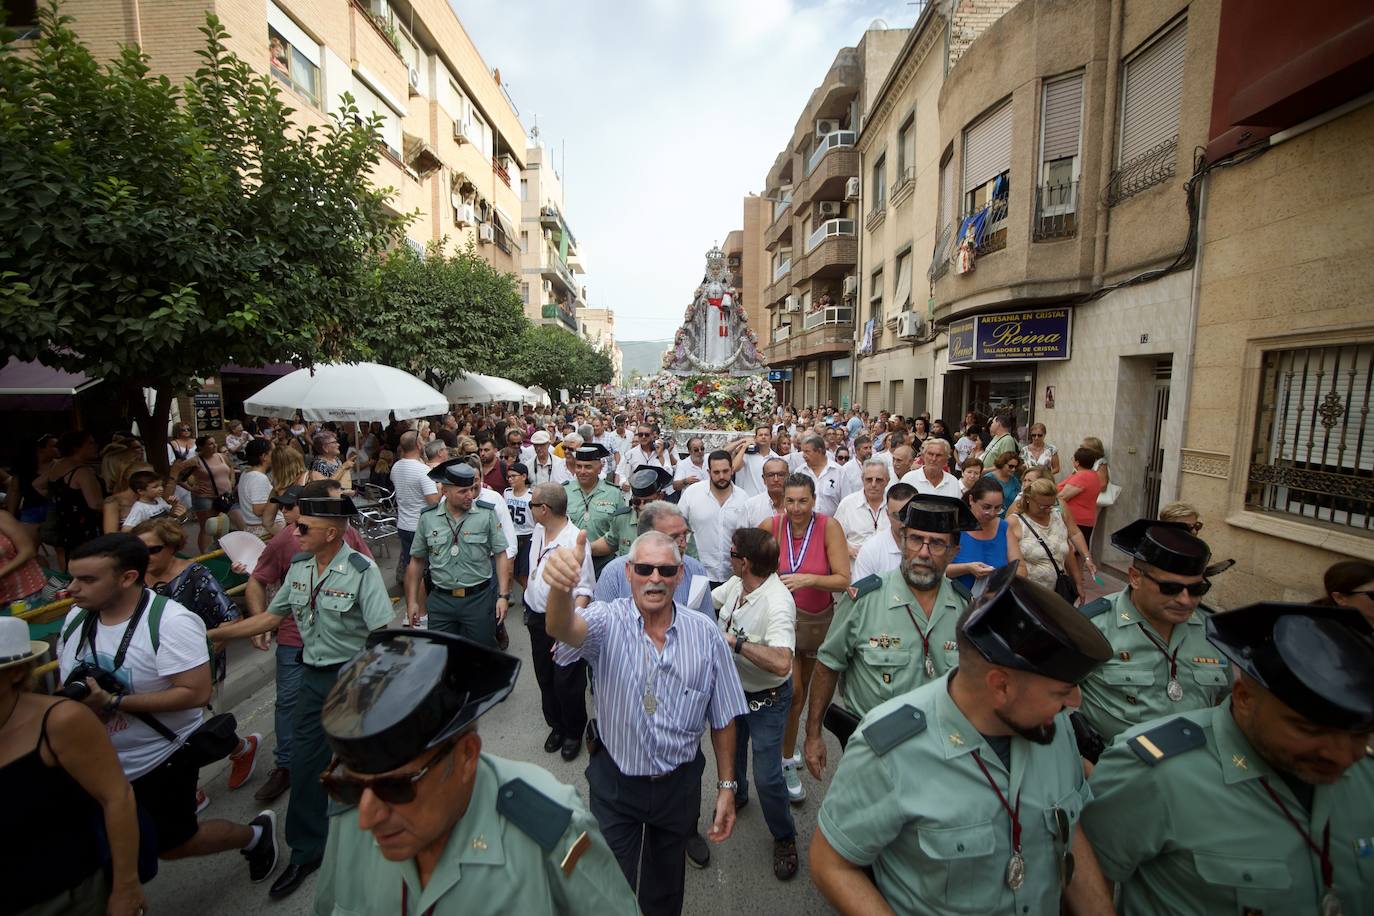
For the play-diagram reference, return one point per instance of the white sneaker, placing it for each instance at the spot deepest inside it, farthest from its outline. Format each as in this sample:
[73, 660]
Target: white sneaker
[791, 774]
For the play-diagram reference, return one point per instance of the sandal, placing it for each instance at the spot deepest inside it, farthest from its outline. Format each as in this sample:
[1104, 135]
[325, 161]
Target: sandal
[785, 859]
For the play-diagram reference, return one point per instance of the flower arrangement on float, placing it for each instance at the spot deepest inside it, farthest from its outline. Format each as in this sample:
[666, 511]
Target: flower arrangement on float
[712, 401]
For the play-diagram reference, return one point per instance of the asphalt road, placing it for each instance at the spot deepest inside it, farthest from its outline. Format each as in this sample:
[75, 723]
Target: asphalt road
[738, 880]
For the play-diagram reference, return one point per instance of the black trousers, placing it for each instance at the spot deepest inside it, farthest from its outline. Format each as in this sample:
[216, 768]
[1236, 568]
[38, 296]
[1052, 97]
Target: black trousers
[562, 688]
[646, 822]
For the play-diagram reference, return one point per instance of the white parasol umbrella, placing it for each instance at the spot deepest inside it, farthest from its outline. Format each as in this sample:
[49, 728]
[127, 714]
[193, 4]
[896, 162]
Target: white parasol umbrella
[475, 388]
[539, 396]
[348, 392]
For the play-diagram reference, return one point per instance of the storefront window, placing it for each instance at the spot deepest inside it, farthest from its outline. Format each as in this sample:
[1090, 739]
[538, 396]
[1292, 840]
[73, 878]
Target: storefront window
[1002, 391]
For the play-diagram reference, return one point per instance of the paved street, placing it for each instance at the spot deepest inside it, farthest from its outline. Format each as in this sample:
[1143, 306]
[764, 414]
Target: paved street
[739, 879]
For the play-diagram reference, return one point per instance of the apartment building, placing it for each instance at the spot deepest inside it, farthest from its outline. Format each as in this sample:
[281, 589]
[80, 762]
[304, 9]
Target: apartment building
[452, 146]
[812, 237]
[550, 271]
[899, 157]
[598, 329]
[1278, 441]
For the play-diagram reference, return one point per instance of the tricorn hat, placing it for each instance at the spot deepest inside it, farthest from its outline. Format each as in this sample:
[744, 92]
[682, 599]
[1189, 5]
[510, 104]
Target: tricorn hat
[928, 512]
[1019, 624]
[409, 691]
[456, 472]
[328, 507]
[592, 451]
[1318, 660]
[649, 479]
[1169, 546]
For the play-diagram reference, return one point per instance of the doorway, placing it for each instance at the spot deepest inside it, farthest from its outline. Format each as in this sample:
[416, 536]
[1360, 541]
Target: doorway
[1154, 468]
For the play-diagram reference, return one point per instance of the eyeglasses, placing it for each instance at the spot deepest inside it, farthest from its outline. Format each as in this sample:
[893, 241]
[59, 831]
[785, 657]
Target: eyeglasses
[1038, 436]
[1195, 527]
[1063, 831]
[936, 548]
[643, 432]
[1170, 589]
[735, 555]
[841, 458]
[302, 528]
[535, 505]
[774, 473]
[1366, 593]
[156, 549]
[667, 570]
[392, 790]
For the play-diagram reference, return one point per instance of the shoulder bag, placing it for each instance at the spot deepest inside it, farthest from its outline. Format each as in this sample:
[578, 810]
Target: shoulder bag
[1063, 585]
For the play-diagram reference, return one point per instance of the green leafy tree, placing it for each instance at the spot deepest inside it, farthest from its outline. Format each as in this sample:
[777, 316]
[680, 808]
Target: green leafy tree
[552, 359]
[438, 316]
[150, 233]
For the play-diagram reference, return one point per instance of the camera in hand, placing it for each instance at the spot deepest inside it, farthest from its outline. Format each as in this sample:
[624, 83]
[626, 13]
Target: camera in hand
[74, 687]
[751, 450]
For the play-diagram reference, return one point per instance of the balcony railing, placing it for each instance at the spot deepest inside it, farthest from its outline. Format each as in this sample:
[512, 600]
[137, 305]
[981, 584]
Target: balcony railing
[992, 234]
[835, 314]
[1056, 211]
[830, 141]
[780, 206]
[831, 228]
[782, 332]
[903, 183]
[1150, 168]
[781, 270]
[939, 260]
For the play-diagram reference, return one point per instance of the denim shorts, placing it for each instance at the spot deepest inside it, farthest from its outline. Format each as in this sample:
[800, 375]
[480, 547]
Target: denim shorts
[202, 503]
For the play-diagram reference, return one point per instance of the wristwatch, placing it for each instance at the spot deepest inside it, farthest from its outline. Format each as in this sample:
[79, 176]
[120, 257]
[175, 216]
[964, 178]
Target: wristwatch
[504, 597]
[728, 784]
[740, 640]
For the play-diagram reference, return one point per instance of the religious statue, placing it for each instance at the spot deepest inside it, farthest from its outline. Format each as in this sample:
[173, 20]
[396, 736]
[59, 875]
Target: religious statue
[715, 335]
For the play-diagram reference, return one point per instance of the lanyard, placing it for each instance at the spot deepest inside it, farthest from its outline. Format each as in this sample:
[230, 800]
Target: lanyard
[448, 520]
[405, 902]
[315, 590]
[1324, 853]
[1013, 813]
[925, 651]
[792, 557]
[1164, 650]
[877, 514]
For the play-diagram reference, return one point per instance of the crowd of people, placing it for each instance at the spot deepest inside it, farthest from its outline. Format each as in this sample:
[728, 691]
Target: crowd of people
[1009, 741]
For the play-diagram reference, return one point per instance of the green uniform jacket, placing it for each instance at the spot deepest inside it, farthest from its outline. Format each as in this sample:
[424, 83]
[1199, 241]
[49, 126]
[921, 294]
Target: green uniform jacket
[1132, 687]
[1195, 832]
[526, 845]
[350, 601]
[909, 799]
[622, 531]
[480, 532]
[592, 512]
[879, 649]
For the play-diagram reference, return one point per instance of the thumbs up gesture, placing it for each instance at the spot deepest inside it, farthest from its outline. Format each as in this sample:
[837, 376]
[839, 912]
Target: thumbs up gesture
[563, 568]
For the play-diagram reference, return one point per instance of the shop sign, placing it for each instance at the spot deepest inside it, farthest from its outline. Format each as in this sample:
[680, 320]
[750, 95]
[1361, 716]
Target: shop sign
[209, 410]
[779, 375]
[1037, 334]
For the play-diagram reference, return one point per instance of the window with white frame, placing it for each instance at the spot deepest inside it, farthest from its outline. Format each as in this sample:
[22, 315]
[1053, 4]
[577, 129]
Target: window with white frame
[1061, 119]
[875, 297]
[1151, 94]
[370, 102]
[878, 186]
[901, 299]
[293, 55]
[987, 156]
[906, 151]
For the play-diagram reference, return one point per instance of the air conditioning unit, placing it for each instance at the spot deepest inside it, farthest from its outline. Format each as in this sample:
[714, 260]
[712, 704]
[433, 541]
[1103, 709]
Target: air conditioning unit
[826, 127]
[485, 233]
[464, 215]
[851, 189]
[460, 132]
[911, 326]
[790, 304]
[851, 287]
[830, 208]
[414, 74]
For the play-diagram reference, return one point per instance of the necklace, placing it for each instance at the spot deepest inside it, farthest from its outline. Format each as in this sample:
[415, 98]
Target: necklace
[1016, 865]
[1175, 689]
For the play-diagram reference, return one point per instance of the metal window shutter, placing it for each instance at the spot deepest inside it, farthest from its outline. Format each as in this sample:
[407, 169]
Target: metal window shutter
[1153, 90]
[987, 148]
[1063, 108]
[946, 195]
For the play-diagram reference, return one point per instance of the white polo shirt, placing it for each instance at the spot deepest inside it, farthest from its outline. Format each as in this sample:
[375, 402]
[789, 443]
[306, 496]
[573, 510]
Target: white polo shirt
[859, 520]
[749, 477]
[536, 596]
[713, 524]
[948, 485]
[767, 615]
[827, 485]
[878, 555]
[686, 470]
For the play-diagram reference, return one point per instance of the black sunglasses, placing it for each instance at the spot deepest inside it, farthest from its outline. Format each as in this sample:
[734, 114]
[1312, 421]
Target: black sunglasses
[393, 790]
[535, 505]
[1170, 589]
[736, 555]
[156, 549]
[667, 570]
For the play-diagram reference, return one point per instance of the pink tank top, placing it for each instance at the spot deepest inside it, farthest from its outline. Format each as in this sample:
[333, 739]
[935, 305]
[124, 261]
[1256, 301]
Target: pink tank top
[811, 558]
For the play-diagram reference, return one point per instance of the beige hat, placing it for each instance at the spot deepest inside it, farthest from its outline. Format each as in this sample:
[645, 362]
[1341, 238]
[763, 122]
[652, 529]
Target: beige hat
[540, 437]
[15, 646]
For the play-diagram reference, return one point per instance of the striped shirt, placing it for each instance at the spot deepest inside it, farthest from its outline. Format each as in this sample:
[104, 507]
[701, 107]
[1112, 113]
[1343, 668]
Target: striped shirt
[693, 679]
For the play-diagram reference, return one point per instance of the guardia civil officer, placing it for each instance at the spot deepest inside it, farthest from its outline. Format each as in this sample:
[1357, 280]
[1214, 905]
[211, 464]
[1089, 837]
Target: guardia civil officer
[1161, 660]
[964, 794]
[457, 540]
[1263, 805]
[337, 596]
[646, 483]
[592, 502]
[899, 632]
[434, 825]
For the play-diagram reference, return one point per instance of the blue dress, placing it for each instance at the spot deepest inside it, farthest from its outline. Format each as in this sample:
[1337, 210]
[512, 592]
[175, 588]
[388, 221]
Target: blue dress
[993, 551]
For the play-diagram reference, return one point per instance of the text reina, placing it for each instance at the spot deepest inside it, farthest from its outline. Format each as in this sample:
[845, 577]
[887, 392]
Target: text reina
[1009, 335]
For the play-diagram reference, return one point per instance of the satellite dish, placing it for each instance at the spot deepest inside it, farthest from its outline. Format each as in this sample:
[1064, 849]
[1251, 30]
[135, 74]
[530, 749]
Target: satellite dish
[878, 25]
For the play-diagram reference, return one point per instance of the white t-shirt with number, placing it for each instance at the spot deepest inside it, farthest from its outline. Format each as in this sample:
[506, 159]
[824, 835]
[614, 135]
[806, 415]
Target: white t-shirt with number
[519, 508]
[181, 647]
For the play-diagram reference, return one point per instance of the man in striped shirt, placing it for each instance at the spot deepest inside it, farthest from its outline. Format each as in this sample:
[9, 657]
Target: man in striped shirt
[661, 674]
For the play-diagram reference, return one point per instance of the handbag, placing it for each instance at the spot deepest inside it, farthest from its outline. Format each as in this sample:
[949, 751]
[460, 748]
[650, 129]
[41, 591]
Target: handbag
[1109, 495]
[220, 501]
[1063, 585]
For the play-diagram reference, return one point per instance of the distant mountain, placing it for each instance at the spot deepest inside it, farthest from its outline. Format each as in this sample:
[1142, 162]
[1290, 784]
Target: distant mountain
[644, 355]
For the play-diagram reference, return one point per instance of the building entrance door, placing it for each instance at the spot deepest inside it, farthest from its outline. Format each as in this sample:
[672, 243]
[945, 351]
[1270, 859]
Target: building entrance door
[1154, 468]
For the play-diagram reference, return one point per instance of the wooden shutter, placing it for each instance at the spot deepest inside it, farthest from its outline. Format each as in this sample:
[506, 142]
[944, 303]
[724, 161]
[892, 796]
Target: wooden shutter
[987, 147]
[1063, 111]
[1151, 92]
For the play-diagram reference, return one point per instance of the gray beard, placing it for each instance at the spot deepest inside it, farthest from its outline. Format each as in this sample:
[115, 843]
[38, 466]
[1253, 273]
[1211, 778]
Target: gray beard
[919, 579]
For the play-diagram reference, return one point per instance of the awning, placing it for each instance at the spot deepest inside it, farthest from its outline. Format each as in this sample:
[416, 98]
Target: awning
[275, 370]
[34, 386]
[419, 155]
[504, 222]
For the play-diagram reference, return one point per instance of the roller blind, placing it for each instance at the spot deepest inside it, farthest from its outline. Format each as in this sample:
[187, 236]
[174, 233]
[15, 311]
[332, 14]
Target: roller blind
[1151, 92]
[987, 147]
[903, 296]
[946, 195]
[1063, 107]
[309, 48]
[369, 103]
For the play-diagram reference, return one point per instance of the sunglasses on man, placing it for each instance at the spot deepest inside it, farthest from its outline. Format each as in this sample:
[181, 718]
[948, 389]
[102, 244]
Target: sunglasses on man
[1170, 589]
[667, 570]
[396, 789]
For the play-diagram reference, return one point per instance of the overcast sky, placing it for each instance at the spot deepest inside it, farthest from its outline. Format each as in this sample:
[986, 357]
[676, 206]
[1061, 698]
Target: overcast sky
[671, 111]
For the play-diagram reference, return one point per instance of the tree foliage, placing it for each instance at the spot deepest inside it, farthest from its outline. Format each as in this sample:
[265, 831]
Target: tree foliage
[552, 359]
[150, 233]
[438, 316]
